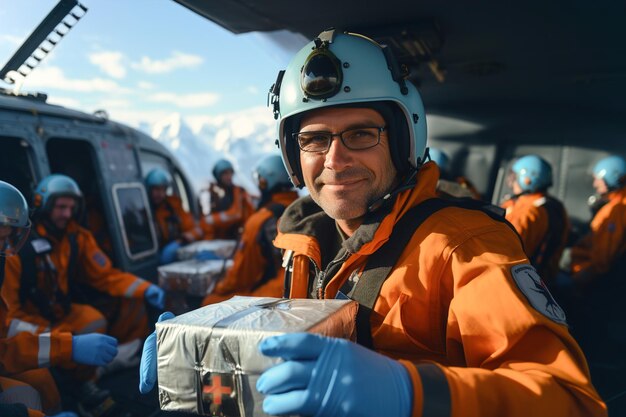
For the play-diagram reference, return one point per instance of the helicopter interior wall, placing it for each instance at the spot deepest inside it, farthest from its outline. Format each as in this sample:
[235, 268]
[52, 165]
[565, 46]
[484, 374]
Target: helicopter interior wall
[16, 166]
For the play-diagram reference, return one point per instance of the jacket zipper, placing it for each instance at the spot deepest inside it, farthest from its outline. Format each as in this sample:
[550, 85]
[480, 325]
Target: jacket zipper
[322, 275]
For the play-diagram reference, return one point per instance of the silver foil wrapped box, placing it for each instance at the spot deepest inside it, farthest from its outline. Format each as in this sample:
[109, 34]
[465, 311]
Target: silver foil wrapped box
[208, 359]
[221, 248]
[193, 277]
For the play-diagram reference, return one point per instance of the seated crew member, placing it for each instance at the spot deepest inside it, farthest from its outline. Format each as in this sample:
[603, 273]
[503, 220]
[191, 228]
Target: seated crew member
[230, 205]
[41, 282]
[605, 244]
[451, 311]
[257, 267]
[540, 219]
[175, 227]
[449, 186]
[26, 351]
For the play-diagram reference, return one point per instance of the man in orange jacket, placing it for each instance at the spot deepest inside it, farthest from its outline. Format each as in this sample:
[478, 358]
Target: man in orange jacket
[257, 270]
[41, 282]
[540, 219]
[23, 354]
[448, 185]
[450, 308]
[230, 205]
[175, 226]
[605, 244]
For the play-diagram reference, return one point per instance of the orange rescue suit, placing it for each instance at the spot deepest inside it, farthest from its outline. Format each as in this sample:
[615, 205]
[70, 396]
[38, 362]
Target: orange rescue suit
[451, 310]
[94, 269]
[606, 240]
[530, 217]
[225, 224]
[249, 263]
[173, 222]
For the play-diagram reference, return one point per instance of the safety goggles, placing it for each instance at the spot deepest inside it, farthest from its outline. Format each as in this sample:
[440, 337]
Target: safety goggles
[355, 139]
[321, 75]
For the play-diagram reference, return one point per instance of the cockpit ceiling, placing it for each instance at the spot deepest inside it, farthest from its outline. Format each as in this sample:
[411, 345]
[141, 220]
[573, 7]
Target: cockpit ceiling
[488, 53]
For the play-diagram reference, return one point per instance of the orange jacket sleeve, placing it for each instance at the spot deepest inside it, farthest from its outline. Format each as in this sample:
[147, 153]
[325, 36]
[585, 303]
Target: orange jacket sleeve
[531, 223]
[187, 223]
[27, 351]
[512, 340]
[597, 251]
[238, 212]
[100, 273]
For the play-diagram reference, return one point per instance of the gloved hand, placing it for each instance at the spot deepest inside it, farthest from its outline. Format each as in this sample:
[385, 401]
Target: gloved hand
[65, 414]
[168, 253]
[155, 296]
[148, 365]
[207, 255]
[93, 349]
[331, 377]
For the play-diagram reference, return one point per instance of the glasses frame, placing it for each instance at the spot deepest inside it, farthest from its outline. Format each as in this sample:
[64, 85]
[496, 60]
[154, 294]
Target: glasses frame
[296, 137]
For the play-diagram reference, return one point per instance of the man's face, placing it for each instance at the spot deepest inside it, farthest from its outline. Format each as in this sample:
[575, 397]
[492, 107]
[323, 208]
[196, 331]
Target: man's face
[158, 194]
[345, 182]
[226, 178]
[62, 211]
[600, 185]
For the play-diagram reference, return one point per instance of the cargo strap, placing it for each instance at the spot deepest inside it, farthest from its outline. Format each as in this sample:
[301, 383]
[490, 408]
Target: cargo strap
[381, 262]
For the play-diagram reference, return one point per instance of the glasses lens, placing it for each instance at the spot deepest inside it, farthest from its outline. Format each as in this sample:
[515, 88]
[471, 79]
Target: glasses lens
[321, 75]
[361, 138]
[313, 141]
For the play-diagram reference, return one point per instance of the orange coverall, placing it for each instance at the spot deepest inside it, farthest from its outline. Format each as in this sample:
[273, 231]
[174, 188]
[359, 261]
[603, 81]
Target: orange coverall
[249, 262]
[453, 311]
[225, 224]
[528, 214]
[93, 268]
[173, 221]
[606, 241]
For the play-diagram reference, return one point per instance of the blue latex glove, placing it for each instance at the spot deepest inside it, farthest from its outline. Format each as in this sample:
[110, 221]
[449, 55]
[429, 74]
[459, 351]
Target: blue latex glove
[65, 414]
[207, 255]
[168, 253]
[93, 349]
[148, 365]
[331, 377]
[155, 296]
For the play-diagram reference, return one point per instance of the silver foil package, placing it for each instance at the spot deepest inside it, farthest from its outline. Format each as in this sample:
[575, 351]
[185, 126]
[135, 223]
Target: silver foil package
[208, 359]
[193, 277]
[221, 248]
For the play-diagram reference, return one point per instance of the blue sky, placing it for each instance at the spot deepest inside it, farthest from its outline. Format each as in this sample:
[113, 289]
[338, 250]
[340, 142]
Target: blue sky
[142, 60]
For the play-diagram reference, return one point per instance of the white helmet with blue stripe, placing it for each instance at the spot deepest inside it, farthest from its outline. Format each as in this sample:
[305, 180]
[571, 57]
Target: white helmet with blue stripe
[348, 70]
[611, 170]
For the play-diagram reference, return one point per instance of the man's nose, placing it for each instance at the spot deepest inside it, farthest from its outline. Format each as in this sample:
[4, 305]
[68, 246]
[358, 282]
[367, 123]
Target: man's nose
[338, 156]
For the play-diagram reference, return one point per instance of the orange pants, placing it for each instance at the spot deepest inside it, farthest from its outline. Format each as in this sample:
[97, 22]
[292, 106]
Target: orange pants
[35, 388]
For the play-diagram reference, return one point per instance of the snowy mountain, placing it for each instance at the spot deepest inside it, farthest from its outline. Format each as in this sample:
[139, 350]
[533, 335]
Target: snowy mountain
[243, 138]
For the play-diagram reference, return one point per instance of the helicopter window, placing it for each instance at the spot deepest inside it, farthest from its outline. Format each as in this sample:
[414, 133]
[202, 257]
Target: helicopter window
[16, 165]
[131, 204]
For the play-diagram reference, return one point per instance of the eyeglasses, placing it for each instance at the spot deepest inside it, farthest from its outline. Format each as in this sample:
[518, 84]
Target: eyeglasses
[355, 139]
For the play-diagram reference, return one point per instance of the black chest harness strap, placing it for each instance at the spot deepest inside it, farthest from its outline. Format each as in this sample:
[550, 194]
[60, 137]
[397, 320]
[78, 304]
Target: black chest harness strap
[379, 265]
[267, 249]
[35, 258]
[552, 241]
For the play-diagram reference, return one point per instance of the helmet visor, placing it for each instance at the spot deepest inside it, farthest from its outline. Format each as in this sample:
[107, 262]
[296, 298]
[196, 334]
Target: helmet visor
[12, 239]
[321, 75]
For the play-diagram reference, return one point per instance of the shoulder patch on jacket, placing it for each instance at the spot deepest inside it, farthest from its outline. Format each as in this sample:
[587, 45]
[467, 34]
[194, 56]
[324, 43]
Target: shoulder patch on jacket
[532, 286]
[100, 259]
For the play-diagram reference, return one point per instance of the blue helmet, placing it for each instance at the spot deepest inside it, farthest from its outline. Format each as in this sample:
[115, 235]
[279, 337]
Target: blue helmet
[13, 214]
[348, 70]
[271, 170]
[532, 173]
[221, 166]
[54, 186]
[158, 177]
[440, 158]
[612, 170]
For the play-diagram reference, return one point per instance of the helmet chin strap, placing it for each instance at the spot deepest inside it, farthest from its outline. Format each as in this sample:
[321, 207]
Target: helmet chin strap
[407, 184]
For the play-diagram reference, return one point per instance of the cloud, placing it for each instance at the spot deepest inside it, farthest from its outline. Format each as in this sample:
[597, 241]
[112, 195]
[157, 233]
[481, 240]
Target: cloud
[14, 40]
[69, 102]
[54, 78]
[185, 100]
[251, 89]
[110, 62]
[177, 60]
[144, 85]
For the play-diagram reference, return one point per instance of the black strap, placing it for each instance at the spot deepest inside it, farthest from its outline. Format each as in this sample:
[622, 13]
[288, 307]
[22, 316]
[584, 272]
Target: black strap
[381, 262]
[552, 241]
[173, 223]
[2, 264]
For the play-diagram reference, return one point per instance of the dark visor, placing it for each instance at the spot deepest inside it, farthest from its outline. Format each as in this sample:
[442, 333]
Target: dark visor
[321, 75]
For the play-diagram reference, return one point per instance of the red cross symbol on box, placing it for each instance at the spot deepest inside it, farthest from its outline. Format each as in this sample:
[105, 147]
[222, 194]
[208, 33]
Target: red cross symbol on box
[216, 389]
